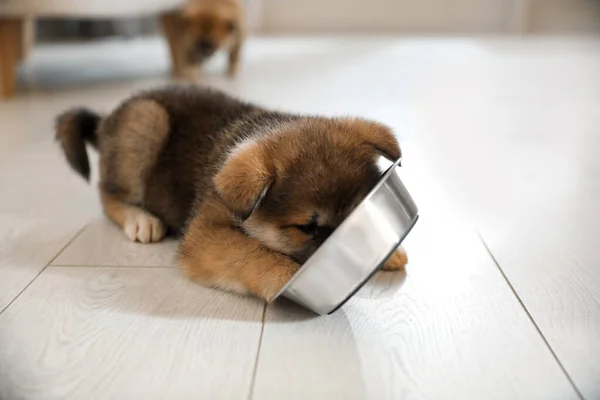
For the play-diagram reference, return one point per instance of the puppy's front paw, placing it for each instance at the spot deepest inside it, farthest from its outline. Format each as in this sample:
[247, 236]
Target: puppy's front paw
[232, 70]
[144, 228]
[397, 261]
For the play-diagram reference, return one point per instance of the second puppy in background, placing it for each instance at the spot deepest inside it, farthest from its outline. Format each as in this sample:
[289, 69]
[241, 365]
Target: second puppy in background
[201, 28]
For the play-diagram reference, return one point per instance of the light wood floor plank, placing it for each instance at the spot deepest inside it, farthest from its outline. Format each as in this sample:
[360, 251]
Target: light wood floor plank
[127, 333]
[40, 211]
[102, 243]
[548, 249]
[27, 245]
[561, 290]
[532, 186]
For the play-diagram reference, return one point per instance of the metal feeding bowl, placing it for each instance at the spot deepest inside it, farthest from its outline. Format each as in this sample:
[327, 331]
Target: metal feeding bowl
[357, 248]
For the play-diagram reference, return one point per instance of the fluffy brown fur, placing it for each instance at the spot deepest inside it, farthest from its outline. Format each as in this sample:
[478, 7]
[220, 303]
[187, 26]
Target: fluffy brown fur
[199, 29]
[251, 192]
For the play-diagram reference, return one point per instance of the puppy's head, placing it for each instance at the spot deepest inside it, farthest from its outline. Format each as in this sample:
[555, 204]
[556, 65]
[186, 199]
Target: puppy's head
[210, 25]
[292, 188]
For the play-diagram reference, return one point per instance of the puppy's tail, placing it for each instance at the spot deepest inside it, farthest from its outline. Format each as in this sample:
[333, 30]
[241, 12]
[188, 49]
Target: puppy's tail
[73, 129]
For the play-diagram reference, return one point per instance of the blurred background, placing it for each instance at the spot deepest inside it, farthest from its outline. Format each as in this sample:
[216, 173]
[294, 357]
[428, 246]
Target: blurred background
[366, 16]
[46, 22]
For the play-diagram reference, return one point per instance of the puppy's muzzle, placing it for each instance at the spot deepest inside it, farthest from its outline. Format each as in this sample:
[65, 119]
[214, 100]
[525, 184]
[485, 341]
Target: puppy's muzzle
[205, 48]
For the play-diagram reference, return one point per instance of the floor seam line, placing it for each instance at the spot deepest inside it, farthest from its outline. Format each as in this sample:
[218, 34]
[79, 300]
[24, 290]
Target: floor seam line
[260, 339]
[44, 268]
[535, 325]
[68, 244]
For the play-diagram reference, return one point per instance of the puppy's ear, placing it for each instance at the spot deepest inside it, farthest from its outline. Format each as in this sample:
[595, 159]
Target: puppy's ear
[381, 138]
[378, 136]
[244, 180]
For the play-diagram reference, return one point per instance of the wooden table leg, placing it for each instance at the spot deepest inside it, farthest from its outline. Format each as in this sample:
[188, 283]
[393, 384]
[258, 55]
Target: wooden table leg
[27, 38]
[10, 45]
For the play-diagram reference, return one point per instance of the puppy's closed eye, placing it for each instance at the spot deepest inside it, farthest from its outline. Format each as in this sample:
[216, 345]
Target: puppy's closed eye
[315, 231]
[309, 229]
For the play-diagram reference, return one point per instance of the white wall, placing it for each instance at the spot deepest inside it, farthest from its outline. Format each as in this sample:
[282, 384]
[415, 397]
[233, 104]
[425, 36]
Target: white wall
[558, 16]
[426, 16]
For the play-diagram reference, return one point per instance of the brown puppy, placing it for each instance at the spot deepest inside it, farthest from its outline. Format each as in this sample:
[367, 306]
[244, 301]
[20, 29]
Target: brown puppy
[252, 192]
[199, 29]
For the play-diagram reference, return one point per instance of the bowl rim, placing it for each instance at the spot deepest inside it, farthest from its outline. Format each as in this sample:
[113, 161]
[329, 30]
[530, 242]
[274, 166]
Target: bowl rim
[385, 176]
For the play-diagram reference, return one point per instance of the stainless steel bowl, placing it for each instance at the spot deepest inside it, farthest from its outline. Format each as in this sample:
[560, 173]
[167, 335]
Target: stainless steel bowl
[357, 248]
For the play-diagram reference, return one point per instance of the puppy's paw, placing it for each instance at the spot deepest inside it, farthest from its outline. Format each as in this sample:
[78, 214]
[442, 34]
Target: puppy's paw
[397, 261]
[232, 70]
[144, 228]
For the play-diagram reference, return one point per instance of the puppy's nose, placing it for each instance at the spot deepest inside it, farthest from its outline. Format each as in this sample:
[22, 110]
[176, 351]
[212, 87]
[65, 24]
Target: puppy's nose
[205, 47]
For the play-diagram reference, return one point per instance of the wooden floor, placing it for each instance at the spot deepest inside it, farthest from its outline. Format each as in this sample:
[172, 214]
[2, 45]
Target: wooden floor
[501, 299]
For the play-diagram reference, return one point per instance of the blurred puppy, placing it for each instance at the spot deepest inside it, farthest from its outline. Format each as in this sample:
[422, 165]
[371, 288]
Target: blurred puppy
[251, 192]
[199, 29]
